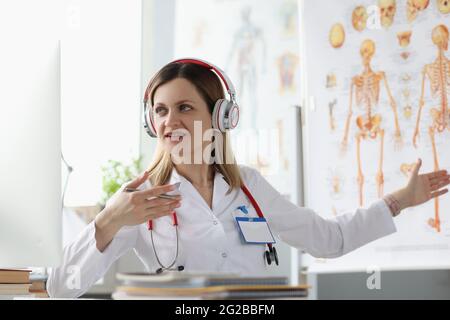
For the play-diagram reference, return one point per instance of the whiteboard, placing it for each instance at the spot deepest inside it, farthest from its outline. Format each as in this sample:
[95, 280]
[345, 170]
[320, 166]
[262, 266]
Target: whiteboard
[331, 175]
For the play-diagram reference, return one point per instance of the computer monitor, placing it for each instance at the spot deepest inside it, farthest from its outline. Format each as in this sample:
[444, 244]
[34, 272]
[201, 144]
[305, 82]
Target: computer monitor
[30, 152]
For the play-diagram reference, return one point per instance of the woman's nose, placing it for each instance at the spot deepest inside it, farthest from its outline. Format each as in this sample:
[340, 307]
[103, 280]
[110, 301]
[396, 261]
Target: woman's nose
[172, 118]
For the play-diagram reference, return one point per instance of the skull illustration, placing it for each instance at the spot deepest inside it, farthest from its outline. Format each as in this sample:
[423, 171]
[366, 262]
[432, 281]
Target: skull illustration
[421, 4]
[414, 6]
[367, 51]
[387, 12]
[443, 6]
[359, 18]
[440, 36]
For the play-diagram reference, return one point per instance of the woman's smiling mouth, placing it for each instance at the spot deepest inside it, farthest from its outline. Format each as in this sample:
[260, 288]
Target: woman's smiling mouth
[174, 136]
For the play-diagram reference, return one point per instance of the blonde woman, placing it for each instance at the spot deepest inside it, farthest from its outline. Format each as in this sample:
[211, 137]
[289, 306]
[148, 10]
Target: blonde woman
[226, 217]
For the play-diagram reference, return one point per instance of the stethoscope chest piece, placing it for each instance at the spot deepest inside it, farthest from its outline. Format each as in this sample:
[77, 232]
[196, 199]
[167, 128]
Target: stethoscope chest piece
[271, 255]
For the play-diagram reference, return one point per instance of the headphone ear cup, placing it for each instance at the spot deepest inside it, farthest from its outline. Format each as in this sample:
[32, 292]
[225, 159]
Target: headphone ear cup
[225, 115]
[147, 121]
[233, 116]
[219, 115]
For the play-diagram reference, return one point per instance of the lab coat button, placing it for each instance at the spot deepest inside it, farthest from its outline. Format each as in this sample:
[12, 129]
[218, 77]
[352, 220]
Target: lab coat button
[215, 222]
[224, 255]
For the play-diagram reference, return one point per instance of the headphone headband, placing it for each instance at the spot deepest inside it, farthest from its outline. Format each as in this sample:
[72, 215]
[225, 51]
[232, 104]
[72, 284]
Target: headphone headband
[228, 84]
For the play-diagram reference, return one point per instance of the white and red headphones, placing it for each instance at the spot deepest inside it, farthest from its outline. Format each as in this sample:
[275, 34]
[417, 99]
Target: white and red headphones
[225, 114]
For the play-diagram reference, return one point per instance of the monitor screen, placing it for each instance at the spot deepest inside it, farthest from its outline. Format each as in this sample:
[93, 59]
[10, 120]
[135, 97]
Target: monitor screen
[30, 140]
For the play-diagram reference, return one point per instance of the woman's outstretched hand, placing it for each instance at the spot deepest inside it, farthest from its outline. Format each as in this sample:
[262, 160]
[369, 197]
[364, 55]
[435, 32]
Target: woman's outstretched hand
[422, 187]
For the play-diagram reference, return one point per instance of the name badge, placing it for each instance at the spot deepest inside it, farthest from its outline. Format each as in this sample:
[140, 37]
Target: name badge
[255, 230]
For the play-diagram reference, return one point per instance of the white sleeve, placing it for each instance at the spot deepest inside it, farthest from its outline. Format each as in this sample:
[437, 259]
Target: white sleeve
[83, 264]
[327, 238]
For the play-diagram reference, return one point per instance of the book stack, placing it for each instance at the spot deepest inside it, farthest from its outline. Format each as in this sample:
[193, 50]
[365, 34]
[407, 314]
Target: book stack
[14, 282]
[184, 285]
[21, 283]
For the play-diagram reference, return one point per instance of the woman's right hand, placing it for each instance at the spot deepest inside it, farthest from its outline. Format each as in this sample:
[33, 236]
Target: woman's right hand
[133, 208]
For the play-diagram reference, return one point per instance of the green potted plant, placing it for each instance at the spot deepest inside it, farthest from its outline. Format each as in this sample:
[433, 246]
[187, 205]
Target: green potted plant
[116, 173]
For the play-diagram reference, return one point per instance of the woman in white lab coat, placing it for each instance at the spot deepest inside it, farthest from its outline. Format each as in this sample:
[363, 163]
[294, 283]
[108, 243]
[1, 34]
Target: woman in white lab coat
[198, 230]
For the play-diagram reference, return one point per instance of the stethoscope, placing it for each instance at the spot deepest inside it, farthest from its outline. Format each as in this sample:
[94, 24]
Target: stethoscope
[270, 254]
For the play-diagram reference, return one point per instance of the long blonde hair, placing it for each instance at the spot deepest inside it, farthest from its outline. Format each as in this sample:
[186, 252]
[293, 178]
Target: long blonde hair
[210, 89]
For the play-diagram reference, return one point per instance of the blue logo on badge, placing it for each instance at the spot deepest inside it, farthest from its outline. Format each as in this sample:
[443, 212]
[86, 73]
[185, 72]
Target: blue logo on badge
[243, 209]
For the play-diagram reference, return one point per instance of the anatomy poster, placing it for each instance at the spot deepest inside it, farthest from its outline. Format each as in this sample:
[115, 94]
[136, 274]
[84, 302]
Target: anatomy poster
[257, 46]
[378, 77]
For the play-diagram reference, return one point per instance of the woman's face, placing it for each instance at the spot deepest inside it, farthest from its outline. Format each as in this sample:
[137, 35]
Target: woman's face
[176, 105]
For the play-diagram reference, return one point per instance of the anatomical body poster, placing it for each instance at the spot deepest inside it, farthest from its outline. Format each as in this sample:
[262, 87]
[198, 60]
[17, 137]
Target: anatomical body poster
[378, 77]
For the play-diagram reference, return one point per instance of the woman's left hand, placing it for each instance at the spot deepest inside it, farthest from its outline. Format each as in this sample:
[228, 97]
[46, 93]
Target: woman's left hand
[422, 187]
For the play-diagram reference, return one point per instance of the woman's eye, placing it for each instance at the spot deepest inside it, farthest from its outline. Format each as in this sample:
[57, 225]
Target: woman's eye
[160, 110]
[185, 107]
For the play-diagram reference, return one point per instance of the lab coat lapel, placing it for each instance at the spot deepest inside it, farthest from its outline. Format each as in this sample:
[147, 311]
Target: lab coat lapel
[219, 193]
[175, 177]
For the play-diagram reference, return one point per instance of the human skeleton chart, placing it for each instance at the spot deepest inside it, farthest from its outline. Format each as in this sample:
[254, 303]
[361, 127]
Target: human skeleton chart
[438, 74]
[366, 87]
[378, 75]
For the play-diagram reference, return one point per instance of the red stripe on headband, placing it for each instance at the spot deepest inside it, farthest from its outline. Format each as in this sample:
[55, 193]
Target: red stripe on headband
[206, 65]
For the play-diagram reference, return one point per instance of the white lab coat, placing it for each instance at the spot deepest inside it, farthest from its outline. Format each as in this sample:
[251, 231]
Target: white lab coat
[210, 240]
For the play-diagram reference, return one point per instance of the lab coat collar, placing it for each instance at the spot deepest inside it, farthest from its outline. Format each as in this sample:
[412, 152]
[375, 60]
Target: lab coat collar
[219, 190]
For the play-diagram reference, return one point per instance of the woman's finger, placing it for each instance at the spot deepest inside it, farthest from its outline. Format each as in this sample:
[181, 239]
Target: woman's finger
[438, 193]
[416, 169]
[163, 208]
[157, 202]
[440, 185]
[439, 180]
[436, 174]
[433, 182]
[155, 191]
[136, 182]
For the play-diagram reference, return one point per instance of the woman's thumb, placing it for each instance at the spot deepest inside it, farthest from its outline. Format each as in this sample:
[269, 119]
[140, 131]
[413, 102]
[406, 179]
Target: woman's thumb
[417, 167]
[136, 182]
